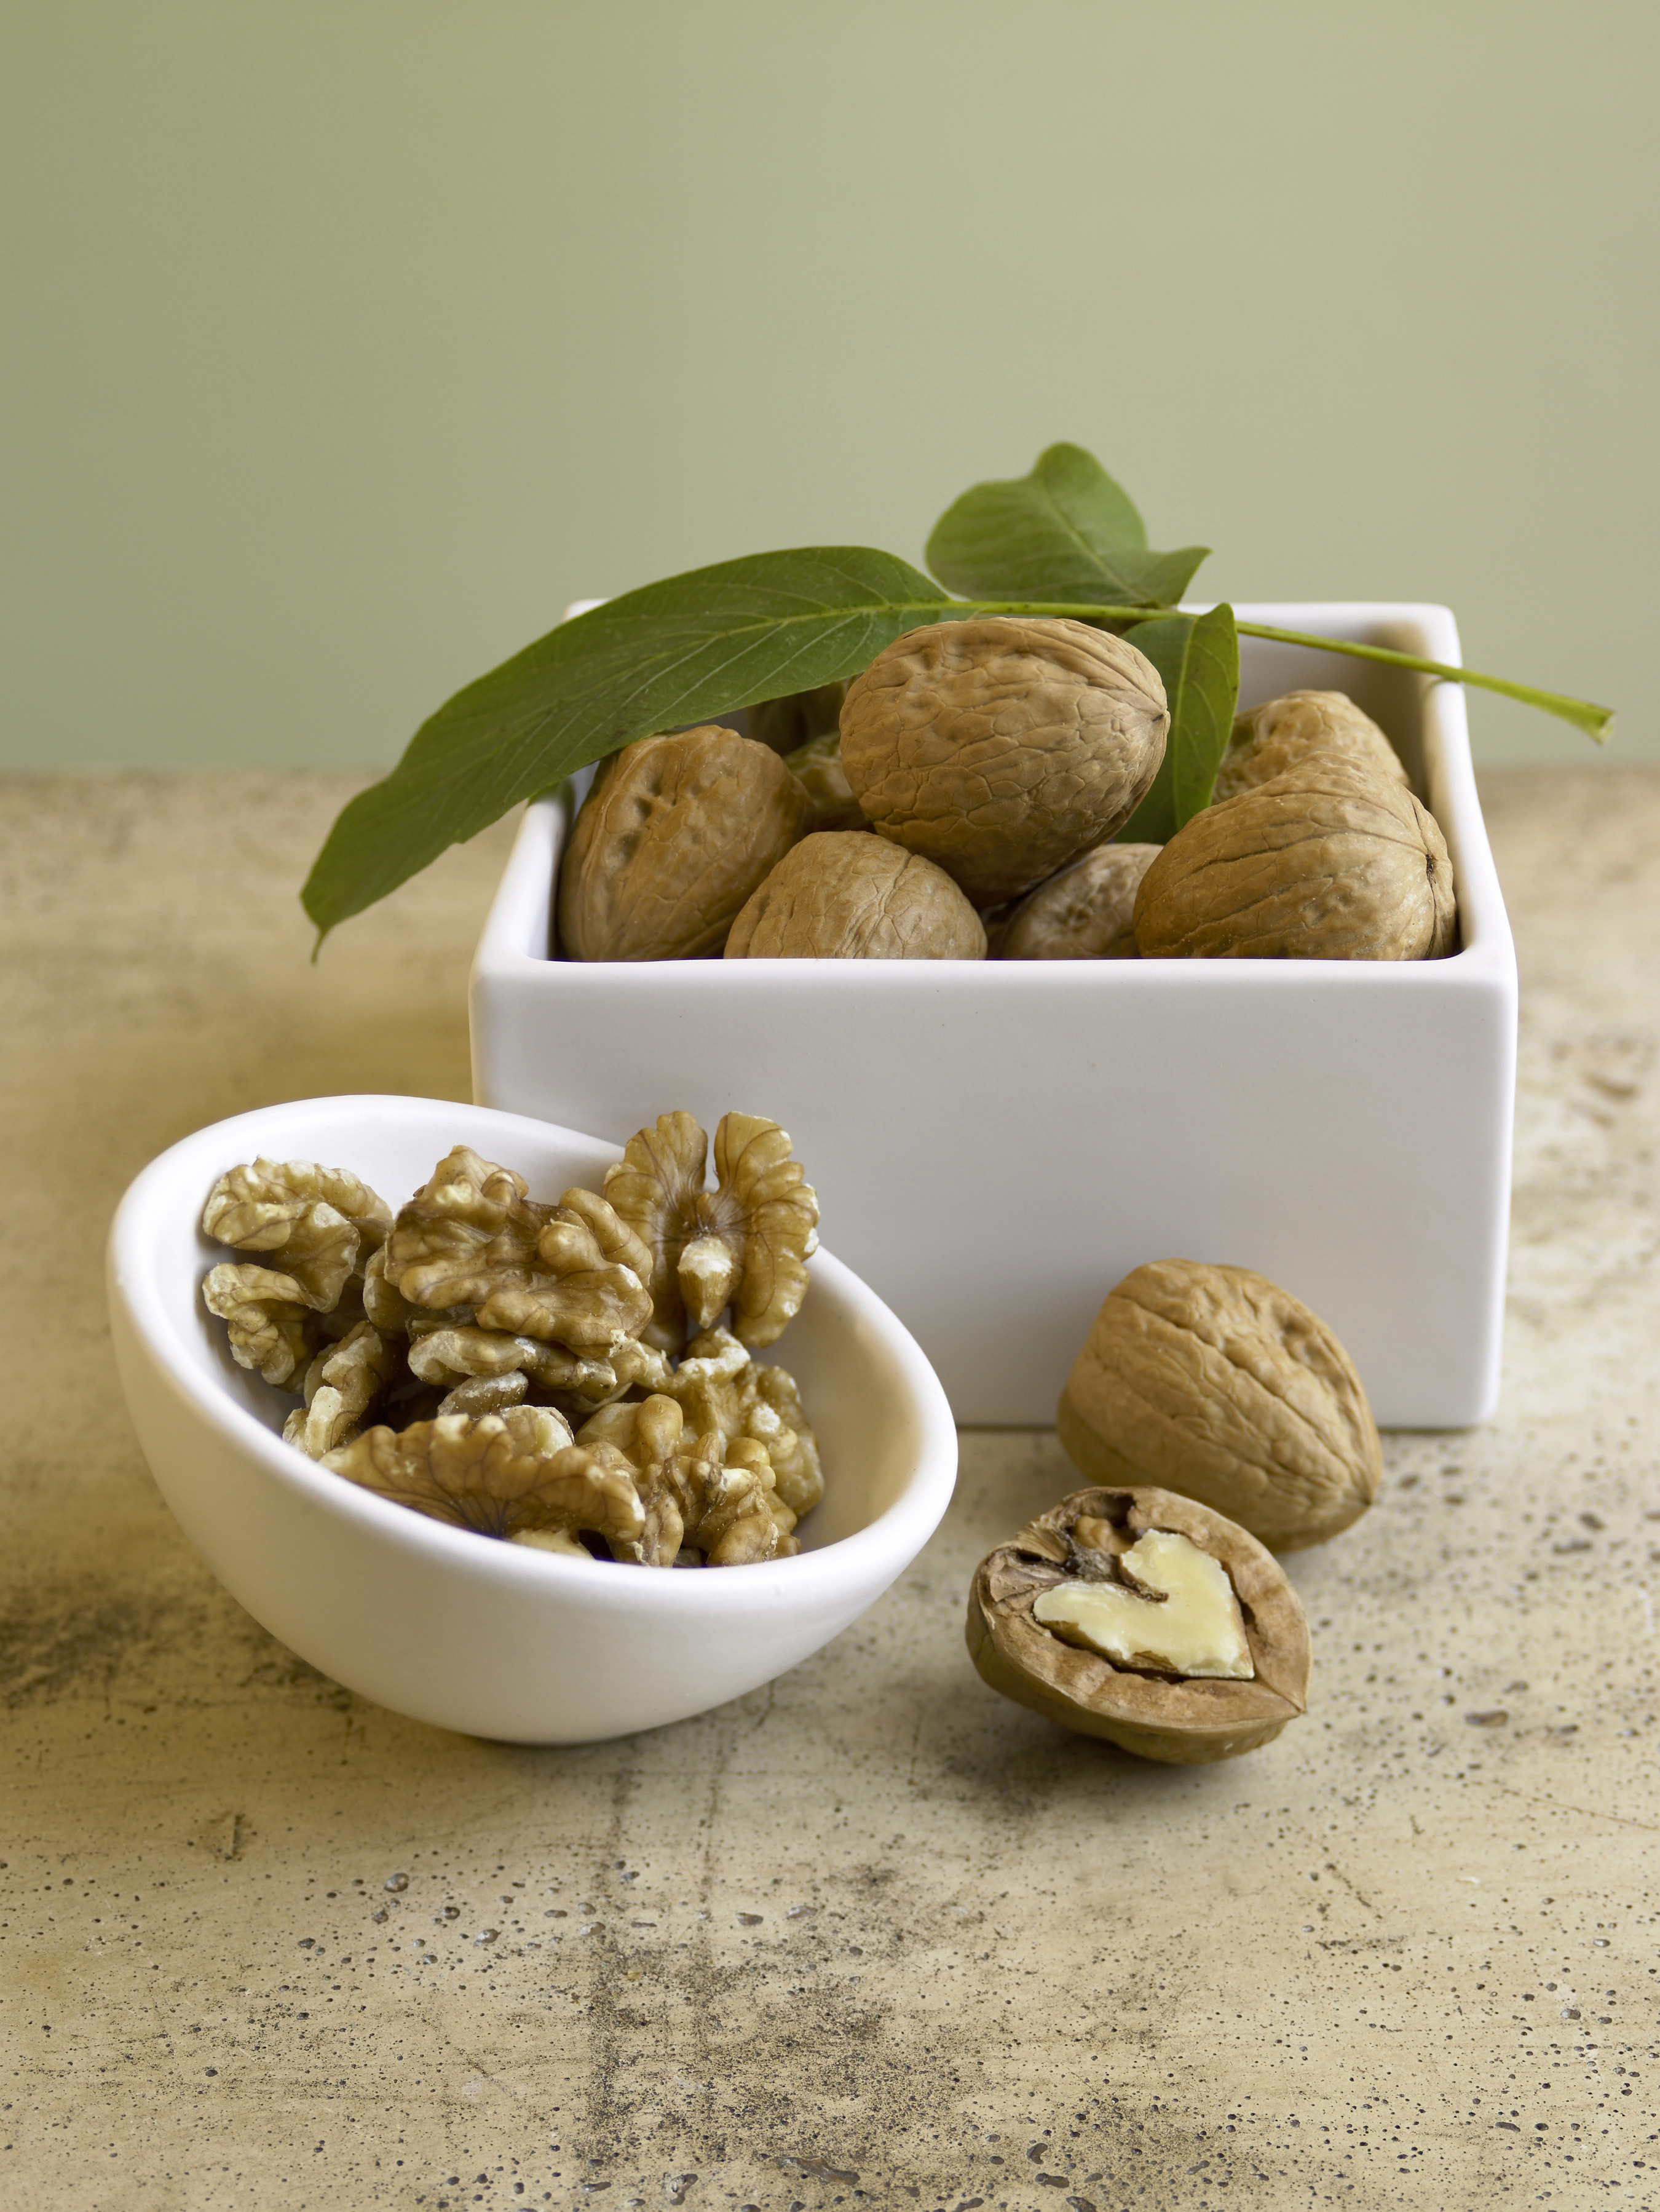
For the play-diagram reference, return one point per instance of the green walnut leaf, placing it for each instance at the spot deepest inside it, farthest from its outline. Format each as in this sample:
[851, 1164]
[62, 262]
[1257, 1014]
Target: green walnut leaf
[1068, 532]
[677, 652]
[1198, 657]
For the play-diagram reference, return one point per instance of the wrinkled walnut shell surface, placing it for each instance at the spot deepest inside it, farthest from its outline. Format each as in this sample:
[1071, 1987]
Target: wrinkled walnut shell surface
[843, 895]
[1215, 1382]
[1298, 730]
[1000, 748]
[1323, 863]
[675, 834]
[1085, 911]
[1179, 1722]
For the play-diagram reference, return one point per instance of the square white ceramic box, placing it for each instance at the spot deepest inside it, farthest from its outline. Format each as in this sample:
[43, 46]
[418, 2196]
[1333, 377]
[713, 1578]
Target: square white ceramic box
[995, 1144]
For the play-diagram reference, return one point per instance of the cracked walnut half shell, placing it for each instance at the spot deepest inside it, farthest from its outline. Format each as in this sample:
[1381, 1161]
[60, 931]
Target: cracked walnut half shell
[1145, 1618]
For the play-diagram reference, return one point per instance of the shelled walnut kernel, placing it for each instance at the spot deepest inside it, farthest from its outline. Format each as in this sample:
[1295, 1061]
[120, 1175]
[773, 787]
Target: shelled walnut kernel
[482, 1322]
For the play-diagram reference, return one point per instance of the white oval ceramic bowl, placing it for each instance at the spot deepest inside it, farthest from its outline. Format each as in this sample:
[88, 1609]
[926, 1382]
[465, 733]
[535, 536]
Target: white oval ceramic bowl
[497, 1639]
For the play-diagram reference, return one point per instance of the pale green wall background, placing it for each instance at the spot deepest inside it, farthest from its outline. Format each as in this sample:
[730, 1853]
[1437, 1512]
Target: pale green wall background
[347, 339]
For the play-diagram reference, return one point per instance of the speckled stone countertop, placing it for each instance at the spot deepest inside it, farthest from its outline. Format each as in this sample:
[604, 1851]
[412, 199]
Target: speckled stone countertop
[871, 1936]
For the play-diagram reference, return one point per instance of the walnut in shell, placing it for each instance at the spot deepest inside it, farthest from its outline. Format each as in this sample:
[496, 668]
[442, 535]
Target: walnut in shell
[745, 1245]
[1255, 1683]
[1213, 1382]
[789, 724]
[843, 895]
[1299, 728]
[1085, 911]
[1001, 747]
[816, 765]
[675, 834]
[1322, 863]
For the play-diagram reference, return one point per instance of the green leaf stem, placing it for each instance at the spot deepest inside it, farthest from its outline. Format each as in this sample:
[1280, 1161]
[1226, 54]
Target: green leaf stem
[1595, 721]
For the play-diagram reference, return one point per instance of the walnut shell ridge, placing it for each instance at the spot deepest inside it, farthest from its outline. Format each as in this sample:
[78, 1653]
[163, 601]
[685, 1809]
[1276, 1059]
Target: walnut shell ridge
[1215, 1382]
[1322, 863]
[675, 834]
[1000, 748]
[843, 895]
[1179, 1722]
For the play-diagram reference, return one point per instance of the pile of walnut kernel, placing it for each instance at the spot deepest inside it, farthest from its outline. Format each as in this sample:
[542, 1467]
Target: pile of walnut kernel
[557, 1376]
[994, 760]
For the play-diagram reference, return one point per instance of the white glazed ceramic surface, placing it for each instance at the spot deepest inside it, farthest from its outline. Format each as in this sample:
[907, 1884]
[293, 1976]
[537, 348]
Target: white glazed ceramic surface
[497, 1639]
[995, 1143]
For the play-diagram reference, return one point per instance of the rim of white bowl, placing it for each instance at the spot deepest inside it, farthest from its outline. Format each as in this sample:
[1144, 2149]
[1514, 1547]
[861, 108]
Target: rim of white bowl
[193, 1163]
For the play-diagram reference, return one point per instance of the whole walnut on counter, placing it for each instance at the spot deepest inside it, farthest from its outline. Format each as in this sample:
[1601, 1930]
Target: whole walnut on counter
[843, 895]
[1299, 730]
[1000, 748]
[1215, 1382]
[1321, 863]
[675, 834]
[1085, 911]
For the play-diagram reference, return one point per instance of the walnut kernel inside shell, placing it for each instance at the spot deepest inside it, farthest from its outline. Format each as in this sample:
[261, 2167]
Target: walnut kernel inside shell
[1179, 1718]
